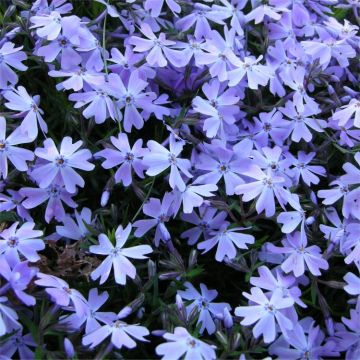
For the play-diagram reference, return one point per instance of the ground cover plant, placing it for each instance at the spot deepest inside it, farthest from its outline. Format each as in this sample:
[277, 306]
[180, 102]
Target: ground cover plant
[179, 179]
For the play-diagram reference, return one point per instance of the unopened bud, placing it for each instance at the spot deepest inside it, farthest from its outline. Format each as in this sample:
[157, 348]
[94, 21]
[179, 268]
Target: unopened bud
[222, 338]
[179, 302]
[310, 220]
[151, 269]
[9, 11]
[69, 348]
[228, 320]
[193, 258]
[329, 326]
[104, 198]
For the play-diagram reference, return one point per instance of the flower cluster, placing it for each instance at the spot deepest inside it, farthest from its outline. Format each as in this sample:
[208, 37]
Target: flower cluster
[180, 179]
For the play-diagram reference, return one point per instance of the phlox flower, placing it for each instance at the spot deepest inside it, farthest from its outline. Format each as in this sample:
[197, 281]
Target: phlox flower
[47, 26]
[203, 302]
[299, 255]
[220, 107]
[181, 343]
[18, 279]
[256, 73]
[260, 11]
[160, 212]
[61, 294]
[117, 256]
[304, 171]
[92, 318]
[78, 77]
[305, 340]
[75, 227]
[276, 279]
[347, 112]
[209, 219]
[62, 163]
[19, 343]
[20, 100]
[270, 126]
[265, 187]
[55, 194]
[14, 201]
[226, 240]
[9, 150]
[155, 6]
[157, 46]
[266, 312]
[192, 196]
[128, 158]
[23, 241]
[10, 57]
[199, 17]
[8, 317]
[219, 55]
[99, 104]
[122, 334]
[302, 120]
[159, 159]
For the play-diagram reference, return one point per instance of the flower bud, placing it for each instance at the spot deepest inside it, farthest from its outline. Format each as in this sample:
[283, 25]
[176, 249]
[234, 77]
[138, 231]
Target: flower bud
[104, 198]
[228, 320]
[69, 348]
[310, 220]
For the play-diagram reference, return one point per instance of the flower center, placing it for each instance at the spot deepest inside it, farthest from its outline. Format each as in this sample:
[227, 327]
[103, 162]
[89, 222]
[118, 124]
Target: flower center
[268, 181]
[129, 157]
[54, 191]
[223, 168]
[191, 343]
[172, 159]
[60, 161]
[163, 218]
[63, 42]
[3, 145]
[13, 241]
[129, 100]
[267, 127]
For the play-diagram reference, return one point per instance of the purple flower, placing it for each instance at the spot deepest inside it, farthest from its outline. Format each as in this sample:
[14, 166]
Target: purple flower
[18, 279]
[61, 294]
[203, 303]
[256, 74]
[20, 100]
[14, 201]
[62, 162]
[155, 6]
[8, 150]
[181, 343]
[24, 241]
[192, 196]
[352, 109]
[48, 25]
[208, 221]
[77, 78]
[305, 171]
[75, 229]
[274, 280]
[220, 107]
[55, 194]
[10, 57]
[8, 317]
[299, 255]
[160, 211]
[226, 240]
[18, 343]
[159, 159]
[122, 334]
[352, 286]
[157, 47]
[100, 104]
[302, 120]
[305, 340]
[128, 158]
[265, 187]
[261, 11]
[199, 17]
[117, 256]
[92, 318]
[264, 311]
